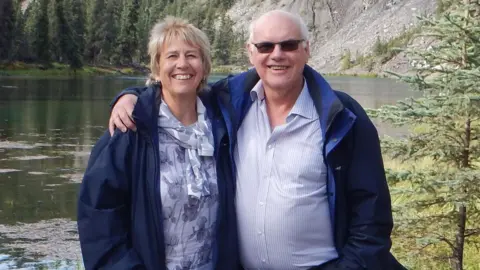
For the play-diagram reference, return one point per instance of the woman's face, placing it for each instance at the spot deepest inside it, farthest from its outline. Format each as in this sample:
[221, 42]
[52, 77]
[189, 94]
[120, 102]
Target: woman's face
[181, 68]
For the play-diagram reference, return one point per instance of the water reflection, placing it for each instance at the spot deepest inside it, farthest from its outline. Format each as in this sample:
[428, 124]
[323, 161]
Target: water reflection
[47, 129]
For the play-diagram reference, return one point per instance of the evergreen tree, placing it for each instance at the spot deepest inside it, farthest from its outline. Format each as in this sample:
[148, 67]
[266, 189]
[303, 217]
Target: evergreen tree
[96, 35]
[110, 29]
[208, 25]
[77, 24]
[41, 41]
[7, 24]
[69, 50]
[30, 18]
[128, 38]
[53, 34]
[20, 47]
[62, 34]
[224, 38]
[439, 203]
[144, 25]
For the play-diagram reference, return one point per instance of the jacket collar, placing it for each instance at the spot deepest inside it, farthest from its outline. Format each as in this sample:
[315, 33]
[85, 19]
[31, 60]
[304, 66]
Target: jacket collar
[326, 101]
[145, 112]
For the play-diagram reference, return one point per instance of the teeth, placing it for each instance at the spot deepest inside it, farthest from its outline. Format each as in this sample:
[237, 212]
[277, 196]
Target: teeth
[182, 77]
[278, 67]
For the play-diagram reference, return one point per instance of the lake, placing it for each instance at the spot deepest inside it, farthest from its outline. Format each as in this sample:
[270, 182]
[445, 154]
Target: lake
[47, 129]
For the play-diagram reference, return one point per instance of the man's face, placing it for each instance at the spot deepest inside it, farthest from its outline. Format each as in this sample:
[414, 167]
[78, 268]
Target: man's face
[280, 67]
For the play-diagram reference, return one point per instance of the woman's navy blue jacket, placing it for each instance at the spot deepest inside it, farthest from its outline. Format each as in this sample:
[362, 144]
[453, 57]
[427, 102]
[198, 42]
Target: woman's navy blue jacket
[119, 207]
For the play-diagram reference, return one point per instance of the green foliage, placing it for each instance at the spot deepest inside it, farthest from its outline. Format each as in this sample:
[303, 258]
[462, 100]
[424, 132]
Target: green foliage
[96, 31]
[63, 32]
[386, 50]
[127, 44]
[442, 6]
[438, 211]
[223, 44]
[76, 16]
[106, 32]
[111, 31]
[346, 60]
[20, 43]
[41, 41]
[7, 24]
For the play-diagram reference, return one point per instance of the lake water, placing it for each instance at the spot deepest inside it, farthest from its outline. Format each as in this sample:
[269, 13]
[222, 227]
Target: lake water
[47, 129]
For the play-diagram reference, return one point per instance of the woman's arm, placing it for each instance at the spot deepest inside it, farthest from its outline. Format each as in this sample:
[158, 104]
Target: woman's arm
[104, 207]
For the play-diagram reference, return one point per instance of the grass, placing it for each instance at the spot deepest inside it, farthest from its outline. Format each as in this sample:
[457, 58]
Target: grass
[359, 75]
[228, 69]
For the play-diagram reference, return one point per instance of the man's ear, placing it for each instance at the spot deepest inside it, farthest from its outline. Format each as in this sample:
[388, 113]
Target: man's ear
[249, 50]
[307, 48]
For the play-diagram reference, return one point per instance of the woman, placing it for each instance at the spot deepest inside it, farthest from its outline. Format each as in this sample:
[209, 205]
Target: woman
[157, 198]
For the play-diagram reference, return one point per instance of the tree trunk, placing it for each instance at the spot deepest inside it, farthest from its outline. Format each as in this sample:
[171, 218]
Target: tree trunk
[457, 263]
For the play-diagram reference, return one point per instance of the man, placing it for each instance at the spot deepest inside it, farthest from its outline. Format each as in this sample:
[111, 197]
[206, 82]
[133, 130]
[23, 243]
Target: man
[311, 191]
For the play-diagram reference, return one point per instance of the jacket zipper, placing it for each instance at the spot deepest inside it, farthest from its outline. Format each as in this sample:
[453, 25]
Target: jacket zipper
[156, 200]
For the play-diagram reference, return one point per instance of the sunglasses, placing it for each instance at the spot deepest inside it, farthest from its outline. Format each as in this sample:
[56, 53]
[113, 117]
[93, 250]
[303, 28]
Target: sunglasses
[286, 45]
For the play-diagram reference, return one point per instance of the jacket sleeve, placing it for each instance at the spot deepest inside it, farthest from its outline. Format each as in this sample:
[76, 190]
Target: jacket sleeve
[131, 90]
[104, 207]
[368, 201]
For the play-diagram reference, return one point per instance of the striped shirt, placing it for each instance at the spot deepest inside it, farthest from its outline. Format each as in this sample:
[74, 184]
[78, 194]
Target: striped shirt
[281, 199]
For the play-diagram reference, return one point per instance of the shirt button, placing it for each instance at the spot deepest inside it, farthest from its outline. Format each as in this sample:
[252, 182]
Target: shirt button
[264, 261]
[261, 203]
[270, 146]
[259, 232]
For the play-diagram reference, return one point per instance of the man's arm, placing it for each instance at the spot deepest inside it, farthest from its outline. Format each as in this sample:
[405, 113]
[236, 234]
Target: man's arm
[122, 108]
[370, 214]
[103, 207]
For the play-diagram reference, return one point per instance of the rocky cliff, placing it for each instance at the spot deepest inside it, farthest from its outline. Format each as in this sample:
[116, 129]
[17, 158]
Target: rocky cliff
[340, 25]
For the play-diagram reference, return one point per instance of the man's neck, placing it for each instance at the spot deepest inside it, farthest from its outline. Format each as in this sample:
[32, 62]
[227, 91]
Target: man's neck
[279, 103]
[182, 107]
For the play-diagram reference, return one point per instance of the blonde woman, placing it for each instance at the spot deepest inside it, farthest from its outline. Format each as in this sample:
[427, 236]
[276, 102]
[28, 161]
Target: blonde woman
[161, 198]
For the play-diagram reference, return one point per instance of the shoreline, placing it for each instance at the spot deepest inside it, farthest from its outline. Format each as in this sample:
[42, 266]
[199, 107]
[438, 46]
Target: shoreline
[61, 70]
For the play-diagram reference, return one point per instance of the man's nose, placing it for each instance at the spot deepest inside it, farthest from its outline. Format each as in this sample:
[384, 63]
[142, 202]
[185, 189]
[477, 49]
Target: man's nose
[277, 52]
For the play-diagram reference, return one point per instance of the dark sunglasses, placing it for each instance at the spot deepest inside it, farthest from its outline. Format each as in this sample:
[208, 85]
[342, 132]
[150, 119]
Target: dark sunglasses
[286, 45]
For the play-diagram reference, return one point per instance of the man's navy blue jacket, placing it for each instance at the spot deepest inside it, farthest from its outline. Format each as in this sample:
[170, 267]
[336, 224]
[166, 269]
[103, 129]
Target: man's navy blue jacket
[359, 199]
[119, 207]
[358, 195]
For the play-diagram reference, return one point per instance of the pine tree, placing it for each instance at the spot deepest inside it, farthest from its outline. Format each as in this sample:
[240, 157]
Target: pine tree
[77, 24]
[110, 29]
[144, 25]
[63, 33]
[96, 35]
[128, 38]
[439, 205]
[7, 24]
[222, 44]
[208, 25]
[41, 41]
[53, 34]
[20, 48]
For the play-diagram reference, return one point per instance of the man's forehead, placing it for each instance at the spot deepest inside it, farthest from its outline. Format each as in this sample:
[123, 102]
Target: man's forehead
[276, 28]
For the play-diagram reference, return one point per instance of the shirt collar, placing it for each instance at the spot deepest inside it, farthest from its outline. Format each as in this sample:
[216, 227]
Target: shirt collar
[257, 93]
[304, 105]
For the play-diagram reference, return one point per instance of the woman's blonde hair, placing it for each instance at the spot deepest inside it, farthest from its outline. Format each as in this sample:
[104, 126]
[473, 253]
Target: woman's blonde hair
[173, 28]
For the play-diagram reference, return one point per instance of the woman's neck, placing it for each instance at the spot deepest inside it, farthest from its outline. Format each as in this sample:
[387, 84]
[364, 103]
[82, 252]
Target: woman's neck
[182, 107]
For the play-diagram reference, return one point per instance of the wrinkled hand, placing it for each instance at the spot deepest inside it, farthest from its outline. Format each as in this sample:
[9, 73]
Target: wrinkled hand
[121, 116]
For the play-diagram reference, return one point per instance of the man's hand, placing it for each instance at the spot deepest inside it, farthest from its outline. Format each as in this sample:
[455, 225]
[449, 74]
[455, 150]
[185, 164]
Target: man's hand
[121, 116]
